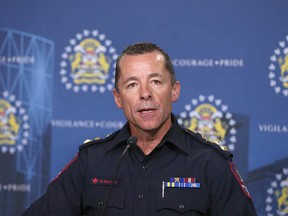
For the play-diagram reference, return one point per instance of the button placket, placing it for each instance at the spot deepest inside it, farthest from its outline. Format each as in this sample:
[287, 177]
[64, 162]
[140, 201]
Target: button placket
[142, 185]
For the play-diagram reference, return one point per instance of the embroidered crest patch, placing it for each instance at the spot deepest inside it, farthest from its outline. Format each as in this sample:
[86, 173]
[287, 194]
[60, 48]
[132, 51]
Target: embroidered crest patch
[237, 175]
[66, 167]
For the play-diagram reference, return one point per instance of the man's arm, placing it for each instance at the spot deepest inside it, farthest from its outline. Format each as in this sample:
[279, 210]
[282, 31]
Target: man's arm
[230, 195]
[63, 196]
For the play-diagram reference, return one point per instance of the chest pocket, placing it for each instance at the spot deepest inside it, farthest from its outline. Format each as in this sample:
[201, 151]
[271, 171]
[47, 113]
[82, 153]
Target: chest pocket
[183, 201]
[95, 196]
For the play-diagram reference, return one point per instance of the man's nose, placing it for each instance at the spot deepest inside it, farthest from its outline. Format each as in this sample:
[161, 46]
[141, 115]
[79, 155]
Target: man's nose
[145, 92]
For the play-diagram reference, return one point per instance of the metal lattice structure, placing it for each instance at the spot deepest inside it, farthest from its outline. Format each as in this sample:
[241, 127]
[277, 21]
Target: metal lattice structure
[26, 79]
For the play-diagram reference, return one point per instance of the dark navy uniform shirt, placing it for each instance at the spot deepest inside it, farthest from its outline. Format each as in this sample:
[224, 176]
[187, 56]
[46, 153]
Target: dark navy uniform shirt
[183, 175]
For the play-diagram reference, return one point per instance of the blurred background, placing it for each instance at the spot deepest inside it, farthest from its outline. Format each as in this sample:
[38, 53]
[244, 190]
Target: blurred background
[57, 61]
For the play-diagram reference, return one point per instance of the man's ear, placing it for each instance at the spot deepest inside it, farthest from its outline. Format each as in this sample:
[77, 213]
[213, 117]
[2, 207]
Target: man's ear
[175, 91]
[117, 99]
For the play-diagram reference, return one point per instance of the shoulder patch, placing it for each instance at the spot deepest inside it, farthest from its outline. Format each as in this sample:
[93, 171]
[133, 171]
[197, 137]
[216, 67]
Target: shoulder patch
[214, 145]
[97, 140]
[237, 175]
[65, 168]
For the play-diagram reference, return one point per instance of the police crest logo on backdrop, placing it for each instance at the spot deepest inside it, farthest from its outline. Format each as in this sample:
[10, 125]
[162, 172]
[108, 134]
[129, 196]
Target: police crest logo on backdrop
[14, 124]
[277, 195]
[278, 69]
[211, 118]
[88, 63]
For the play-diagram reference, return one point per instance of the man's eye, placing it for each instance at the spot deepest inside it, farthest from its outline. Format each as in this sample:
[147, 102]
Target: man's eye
[131, 85]
[156, 82]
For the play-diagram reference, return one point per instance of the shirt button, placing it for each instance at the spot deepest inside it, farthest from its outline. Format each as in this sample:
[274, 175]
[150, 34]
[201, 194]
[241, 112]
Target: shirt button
[181, 206]
[144, 167]
[140, 196]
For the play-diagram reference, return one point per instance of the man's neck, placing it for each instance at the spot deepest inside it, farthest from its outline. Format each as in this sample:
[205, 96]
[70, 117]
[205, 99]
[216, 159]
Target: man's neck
[148, 140]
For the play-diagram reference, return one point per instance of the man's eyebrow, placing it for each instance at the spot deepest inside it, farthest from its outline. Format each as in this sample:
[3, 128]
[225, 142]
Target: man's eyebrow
[155, 74]
[132, 78]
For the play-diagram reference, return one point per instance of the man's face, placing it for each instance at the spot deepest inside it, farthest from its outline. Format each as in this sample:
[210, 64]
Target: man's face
[145, 92]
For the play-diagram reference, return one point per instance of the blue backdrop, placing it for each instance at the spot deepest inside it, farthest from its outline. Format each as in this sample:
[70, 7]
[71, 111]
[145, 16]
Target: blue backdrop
[57, 62]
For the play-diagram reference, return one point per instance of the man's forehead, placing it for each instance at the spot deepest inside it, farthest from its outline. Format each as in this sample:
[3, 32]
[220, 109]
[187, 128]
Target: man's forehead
[158, 55]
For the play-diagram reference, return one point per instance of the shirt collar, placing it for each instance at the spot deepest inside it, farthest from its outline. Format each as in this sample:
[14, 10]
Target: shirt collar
[121, 137]
[175, 136]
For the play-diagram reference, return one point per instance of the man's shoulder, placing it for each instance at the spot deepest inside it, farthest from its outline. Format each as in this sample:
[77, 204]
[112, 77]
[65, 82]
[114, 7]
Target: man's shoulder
[97, 141]
[215, 146]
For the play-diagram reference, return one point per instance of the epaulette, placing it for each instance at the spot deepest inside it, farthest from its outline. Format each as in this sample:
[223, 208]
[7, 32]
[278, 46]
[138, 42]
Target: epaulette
[97, 140]
[222, 149]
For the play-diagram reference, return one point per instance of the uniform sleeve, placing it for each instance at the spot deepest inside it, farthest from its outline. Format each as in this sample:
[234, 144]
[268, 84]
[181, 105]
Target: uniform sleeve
[63, 196]
[229, 194]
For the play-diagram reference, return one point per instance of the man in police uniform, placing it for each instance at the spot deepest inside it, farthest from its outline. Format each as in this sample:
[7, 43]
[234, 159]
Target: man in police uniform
[166, 171]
